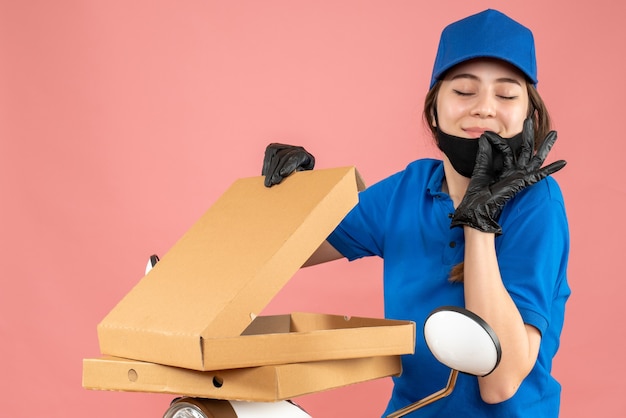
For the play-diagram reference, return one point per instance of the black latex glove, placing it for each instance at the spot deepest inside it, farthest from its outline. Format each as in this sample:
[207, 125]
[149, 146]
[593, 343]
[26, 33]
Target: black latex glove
[281, 160]
[487, 192]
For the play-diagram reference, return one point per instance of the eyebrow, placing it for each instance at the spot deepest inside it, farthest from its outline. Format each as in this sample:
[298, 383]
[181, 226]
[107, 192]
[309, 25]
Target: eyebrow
[499, 80]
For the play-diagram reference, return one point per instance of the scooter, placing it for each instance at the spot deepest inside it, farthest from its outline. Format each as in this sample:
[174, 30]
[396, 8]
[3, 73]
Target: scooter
[457, 337]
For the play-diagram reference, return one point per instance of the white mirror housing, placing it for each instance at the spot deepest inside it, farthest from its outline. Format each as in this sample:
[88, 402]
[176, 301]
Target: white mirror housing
[462, 340]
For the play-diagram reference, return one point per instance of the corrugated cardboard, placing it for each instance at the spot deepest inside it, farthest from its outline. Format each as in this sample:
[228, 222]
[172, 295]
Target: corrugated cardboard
[193, 308]
[261, 384]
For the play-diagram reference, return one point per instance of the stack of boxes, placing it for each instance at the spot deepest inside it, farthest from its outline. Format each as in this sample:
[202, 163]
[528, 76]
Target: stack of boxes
[191, 326]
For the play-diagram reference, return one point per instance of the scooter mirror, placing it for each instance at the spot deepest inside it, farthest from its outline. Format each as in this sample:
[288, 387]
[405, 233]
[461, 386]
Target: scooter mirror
[151, 262]
[462, 340]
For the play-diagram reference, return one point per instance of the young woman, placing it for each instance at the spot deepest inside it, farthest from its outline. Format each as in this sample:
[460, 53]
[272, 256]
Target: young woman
[485, 228]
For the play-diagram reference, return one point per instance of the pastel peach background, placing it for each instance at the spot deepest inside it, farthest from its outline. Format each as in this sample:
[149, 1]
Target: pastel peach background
[122, 121]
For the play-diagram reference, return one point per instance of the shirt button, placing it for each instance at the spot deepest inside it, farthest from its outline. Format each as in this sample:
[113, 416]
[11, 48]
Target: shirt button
[452, 244]
[450, 215]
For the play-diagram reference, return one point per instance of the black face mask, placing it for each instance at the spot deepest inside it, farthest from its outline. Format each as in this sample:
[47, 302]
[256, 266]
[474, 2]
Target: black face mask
[462, 152]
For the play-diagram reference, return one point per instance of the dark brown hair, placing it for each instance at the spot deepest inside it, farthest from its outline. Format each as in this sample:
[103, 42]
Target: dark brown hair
[536, 109]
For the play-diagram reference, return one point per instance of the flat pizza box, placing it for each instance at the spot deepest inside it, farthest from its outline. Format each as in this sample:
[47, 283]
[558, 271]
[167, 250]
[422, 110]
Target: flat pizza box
[258, 384]
[198, 308]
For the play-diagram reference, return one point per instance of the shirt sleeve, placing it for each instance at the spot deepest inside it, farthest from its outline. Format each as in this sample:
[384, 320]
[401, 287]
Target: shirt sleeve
[361, 233]
[533, 251]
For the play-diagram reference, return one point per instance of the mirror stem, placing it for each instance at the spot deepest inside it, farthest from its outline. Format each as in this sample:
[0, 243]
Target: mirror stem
[429, 399]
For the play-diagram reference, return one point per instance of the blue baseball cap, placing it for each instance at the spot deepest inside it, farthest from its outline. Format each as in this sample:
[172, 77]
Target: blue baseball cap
[488, 34]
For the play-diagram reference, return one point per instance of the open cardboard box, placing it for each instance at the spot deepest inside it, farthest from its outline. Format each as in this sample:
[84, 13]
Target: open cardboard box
[198, 307]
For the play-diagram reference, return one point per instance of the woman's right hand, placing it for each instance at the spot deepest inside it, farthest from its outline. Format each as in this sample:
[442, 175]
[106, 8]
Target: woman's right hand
[281, 160]
[486, 195]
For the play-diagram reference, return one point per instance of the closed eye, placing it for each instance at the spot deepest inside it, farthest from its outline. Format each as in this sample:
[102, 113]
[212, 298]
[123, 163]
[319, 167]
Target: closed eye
[462, 93]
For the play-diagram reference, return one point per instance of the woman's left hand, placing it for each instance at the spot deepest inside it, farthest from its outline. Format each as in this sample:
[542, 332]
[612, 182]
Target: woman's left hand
[281, 160]
[487, 192]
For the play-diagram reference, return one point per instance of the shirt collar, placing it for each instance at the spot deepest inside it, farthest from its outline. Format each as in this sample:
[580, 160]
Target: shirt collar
[436, 181]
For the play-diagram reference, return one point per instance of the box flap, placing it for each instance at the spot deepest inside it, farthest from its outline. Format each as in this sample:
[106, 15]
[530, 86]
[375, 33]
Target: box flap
[229, 264]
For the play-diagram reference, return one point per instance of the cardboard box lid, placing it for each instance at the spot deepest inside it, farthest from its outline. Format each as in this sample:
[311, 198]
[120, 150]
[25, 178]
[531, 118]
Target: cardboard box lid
[231, 262]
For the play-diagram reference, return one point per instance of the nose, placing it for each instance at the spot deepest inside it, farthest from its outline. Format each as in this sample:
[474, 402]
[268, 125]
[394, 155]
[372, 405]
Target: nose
[485, 106]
